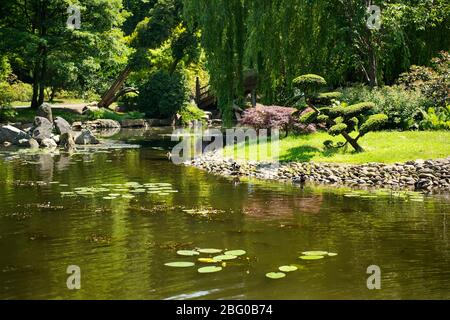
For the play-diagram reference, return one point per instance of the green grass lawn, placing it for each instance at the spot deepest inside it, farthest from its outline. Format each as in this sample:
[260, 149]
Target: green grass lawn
[385, 146]
[56, 102]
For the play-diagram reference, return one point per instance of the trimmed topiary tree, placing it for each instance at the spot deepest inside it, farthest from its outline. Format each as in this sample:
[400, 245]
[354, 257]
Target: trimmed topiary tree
[337, 118]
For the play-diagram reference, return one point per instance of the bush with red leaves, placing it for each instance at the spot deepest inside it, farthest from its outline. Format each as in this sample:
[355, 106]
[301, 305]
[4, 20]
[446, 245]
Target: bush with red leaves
[274, 117]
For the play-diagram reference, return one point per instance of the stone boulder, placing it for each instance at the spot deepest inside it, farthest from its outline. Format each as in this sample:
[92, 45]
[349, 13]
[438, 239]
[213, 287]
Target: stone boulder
[103, 124]
[77, 126]
[86, 137]
[48, 143]
[62, 126]
[45, 111]
[28, 143]
[67, 141]
[12, 134]
[42, 129]
[134, 123]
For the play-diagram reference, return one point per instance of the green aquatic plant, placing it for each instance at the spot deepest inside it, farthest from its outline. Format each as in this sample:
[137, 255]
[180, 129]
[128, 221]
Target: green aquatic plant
[311, 257]
[188, 253]
[315, 253]
[275, 275]
[210, 251]
[211, 269]
[288, 268]
[180, 264]
[235, 252]
[224, 257]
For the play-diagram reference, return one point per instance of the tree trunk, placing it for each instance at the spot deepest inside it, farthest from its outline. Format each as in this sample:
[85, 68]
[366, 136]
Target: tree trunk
[352, 142]
[109, 95]
[36, 74]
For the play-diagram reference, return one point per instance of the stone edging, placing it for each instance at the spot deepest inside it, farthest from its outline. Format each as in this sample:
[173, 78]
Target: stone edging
[429, 175]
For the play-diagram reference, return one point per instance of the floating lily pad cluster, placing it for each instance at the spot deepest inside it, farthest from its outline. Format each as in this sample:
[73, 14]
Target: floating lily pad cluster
[218, 257]
[307, 255]
[383, 194]
[129, 190]
[316, 255]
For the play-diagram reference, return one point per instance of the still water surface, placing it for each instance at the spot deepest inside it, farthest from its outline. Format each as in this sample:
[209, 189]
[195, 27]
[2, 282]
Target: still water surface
[122, 245]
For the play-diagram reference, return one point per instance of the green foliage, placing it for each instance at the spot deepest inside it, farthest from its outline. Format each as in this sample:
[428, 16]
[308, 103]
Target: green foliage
[322, 118]
[109, 114]
[327, 98]
[37, 39]
[283, 39]
[337, 129]
[190, 112]
[162, 95]
[342, 119]
[6, 97]
[348, 112]
[399, 104]
[373, 123]
[309, 83]
[308, 117]
[433, 83]
[436, 119]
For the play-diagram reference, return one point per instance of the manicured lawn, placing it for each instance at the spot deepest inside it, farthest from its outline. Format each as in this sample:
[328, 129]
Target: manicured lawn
[385, 146]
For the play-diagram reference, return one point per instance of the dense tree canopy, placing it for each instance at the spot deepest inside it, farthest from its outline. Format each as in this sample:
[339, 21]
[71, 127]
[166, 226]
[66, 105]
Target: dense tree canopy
[44, 51]
[284, 38]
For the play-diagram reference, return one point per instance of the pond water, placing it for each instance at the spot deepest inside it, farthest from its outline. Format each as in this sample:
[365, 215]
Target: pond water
[121, 238]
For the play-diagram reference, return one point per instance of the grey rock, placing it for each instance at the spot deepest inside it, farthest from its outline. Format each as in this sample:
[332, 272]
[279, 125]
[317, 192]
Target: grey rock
[77, 125]
[67, 141]
[103, 124]
[28, 143]
[42, 129]
[134, 123]
[45, 111]
[48, 143]
[12, 134]
[62, 126]
[86, 137]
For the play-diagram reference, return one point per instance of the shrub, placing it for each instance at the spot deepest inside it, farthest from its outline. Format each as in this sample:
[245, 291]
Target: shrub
[435, 119]
[190, 112]
[399, 104]
[433, 83]
[111, 115]
[274, 117]
[6, 97]
[326, 98]
[21, 91]
[162, 95]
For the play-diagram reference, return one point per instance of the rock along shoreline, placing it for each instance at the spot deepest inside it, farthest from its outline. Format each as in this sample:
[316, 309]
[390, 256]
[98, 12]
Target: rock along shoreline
[420, 175]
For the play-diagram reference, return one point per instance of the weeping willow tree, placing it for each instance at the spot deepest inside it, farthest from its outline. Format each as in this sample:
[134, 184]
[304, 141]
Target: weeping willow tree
[282, 39]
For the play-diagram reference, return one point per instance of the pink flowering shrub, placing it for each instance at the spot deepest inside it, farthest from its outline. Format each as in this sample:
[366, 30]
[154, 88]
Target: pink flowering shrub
[274, 117]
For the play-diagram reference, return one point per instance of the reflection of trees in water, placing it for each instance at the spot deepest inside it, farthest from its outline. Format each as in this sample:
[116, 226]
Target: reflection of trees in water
[283, 206]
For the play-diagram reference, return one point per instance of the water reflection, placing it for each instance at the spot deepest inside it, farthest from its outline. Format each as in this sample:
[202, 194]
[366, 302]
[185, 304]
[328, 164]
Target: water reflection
[122, 245]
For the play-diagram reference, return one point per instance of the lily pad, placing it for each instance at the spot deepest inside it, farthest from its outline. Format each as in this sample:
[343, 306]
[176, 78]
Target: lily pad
[275, 275]
[209, 269]
[180, 264]
[188, 253]
[315, 253]
[207, 260]
[311, 257]
[225, 257]
[288, 268]
[209, 251]
[235, 252]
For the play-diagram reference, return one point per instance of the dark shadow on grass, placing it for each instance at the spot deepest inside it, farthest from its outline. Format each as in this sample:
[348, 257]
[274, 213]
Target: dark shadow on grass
[306, 153]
